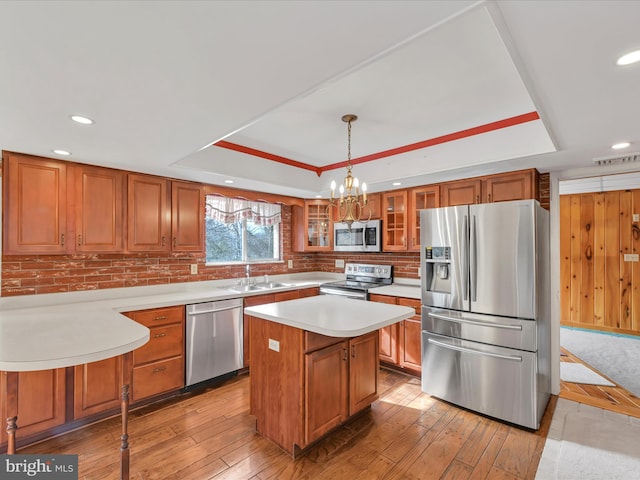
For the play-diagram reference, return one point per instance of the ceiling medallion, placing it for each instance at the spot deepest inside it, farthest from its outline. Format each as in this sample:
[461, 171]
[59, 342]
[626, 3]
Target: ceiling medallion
[350, 206]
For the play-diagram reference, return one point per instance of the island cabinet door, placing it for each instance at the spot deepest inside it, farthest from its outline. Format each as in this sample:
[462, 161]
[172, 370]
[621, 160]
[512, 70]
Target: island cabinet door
[363, 371]
[326, 387]
[97, 387]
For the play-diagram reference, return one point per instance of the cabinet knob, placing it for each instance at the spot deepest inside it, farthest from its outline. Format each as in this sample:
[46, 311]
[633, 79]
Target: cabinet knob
[345, 356]
[62, 239]
[353, 351]
[79, 240]
[489, 197]
[175, 241]
[478, 198]
[163, 241]
[161, 317]
[159, 335]
[159, 369]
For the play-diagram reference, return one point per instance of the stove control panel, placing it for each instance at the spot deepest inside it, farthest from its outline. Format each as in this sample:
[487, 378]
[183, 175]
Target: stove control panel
[368, 270]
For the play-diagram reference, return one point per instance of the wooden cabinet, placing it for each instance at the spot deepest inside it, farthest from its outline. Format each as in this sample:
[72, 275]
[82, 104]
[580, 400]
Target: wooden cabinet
[99, 209]
[187, 217]
[148, 214]
[312, 227]
[40, 401]
[410, 339]
[388, 335]
[363, 371]
[97, 387]
[401, 347]
[461, 192]
[158, 366]
[305, 384]
[419, 199]
[326, 390]
[35, 205]
[511, 186]
[394, 208]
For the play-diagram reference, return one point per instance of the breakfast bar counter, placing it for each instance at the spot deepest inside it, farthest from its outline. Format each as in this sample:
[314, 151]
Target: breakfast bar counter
[314, 364]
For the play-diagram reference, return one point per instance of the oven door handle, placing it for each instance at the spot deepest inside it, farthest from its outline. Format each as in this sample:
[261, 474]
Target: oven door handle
[513, 358]
[342, 293]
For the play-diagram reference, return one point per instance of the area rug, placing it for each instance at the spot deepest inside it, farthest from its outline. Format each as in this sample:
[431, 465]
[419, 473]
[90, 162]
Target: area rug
[578, 373]
[616, 356]
[597, 449]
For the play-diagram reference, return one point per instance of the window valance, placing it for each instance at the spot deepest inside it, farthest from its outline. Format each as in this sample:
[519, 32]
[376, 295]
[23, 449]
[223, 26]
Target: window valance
[232, 210]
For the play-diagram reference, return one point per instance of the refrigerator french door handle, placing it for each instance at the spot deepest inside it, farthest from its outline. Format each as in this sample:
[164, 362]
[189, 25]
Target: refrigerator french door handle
[473, 254]
[475, 322]
[465, 260]
[513, 358]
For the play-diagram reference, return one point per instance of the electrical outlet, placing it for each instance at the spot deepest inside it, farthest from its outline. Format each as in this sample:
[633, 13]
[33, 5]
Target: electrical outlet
[274, 345]
[636, 217]
[290, 263]
[419, 272]
[631, 257]
[194, 269]
[339, 263]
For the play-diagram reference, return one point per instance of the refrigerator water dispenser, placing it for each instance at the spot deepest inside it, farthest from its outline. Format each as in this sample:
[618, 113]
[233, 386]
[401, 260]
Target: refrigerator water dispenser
[437, 265]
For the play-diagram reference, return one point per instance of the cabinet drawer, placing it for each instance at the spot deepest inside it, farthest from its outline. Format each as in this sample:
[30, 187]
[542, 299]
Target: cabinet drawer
[164, 341]
[411, 302]
[314, 341]
[158, 316]
[158, 377]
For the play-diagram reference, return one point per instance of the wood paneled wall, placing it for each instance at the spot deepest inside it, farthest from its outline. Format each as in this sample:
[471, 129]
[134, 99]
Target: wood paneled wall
[598, 288]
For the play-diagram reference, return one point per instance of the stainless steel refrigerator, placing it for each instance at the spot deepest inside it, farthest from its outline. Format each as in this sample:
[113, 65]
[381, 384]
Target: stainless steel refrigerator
[485, 308]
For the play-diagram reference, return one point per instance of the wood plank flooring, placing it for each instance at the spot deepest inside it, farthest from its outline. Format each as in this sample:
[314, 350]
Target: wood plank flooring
[616, 399]
[405, 435]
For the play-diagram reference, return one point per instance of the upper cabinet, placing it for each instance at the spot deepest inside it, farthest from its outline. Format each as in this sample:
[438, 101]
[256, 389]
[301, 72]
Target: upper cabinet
[461, 192]
[394, 220]
[187, 217]
[99, 209]
[419, 199]
[35, 199]
[519, 185]
[511, 186]
[57, 207]
[149, 214]
[312, 227]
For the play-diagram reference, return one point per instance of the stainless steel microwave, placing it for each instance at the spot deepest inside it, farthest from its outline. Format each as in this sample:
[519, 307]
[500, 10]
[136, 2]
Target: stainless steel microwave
[361, 237]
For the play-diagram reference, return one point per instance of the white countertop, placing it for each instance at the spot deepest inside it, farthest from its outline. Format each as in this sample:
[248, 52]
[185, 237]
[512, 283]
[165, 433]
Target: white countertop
[332, 315]
[405, 290]
[39, 332]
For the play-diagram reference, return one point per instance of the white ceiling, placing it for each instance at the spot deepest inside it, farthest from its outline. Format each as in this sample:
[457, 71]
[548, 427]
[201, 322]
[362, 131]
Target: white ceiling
[164, 80]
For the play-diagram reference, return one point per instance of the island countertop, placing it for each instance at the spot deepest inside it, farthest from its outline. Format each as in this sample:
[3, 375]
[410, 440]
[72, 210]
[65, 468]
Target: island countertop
[332, 315]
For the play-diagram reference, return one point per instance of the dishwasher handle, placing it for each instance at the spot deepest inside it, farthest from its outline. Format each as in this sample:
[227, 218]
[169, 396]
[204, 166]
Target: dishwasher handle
[214, 310]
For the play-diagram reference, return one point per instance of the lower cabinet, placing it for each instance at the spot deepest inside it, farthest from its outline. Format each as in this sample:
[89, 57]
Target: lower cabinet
[158, 366]
[341, 380]
[97, 387]
[400, 344]
[304, 384]
[40, 400]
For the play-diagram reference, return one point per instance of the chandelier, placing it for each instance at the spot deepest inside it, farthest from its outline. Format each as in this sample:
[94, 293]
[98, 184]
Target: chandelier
[350, 206]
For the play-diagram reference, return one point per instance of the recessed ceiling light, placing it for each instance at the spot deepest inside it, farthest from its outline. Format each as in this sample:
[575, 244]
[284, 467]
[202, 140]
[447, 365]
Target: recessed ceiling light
[81, 119]
[620, 145]
[318, 196]
[396, 184]
[228, 181]
[61, 152]
[629, 58]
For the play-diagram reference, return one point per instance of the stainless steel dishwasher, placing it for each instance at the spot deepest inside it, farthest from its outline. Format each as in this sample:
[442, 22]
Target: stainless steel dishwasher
[214, 339]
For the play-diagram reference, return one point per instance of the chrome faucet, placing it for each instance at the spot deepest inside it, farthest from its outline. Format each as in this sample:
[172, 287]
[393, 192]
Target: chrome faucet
[247, 271]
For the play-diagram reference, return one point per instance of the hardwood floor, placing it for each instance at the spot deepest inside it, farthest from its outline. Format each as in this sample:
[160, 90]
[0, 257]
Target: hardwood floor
[616, 399]
[405, 435]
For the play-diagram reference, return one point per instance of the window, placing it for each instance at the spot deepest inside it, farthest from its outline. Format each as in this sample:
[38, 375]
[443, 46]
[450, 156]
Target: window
[242, 231]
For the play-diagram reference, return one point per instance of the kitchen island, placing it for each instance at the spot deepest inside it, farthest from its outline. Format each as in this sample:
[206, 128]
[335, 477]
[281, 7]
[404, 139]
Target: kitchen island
[314, 364]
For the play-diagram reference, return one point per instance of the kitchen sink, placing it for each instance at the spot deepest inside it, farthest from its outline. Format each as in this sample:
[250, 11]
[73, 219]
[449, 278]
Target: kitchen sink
[245, 288]
[269, 285]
